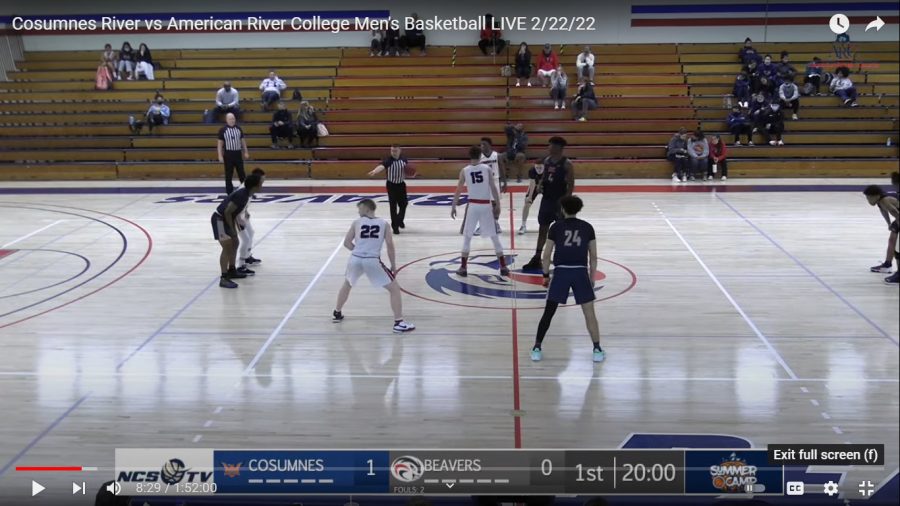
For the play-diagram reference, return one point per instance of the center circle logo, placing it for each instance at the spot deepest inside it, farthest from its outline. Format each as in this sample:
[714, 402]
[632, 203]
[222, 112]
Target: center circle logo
[407, 469]
[484, 288]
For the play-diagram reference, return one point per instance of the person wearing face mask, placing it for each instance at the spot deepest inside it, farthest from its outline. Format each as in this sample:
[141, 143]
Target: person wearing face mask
[758, 107]
[158, 113]
[773, 124]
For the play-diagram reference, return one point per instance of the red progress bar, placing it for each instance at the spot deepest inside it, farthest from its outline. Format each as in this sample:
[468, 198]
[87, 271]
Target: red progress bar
[50, 468]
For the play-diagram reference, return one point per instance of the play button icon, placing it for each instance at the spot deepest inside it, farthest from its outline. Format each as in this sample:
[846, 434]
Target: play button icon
[36, 488]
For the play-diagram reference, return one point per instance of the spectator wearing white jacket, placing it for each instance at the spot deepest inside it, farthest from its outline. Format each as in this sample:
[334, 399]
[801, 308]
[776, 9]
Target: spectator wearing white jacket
[559, 82]
[843, 87]
[271, 88]
[789, 94]
[585, 65]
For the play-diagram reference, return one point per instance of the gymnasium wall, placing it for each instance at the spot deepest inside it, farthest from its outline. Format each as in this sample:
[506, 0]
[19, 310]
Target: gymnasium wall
[617, 21]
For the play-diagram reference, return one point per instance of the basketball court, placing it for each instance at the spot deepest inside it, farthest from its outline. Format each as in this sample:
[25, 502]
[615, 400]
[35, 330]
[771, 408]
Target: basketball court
[742, 310]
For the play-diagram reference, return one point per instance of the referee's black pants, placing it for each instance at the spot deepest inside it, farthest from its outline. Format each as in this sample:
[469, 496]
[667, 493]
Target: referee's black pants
[398, 201]
[234, 160]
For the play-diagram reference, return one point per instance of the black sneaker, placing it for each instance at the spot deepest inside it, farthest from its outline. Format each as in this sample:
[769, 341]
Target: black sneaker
[533, 264]
[227, 283]
[337, 316]
[234, 274]
[246, 271]
[397, 231]
[252, 261]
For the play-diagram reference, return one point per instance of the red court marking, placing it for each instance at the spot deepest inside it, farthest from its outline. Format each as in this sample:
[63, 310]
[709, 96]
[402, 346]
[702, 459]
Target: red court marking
[107, 285]
[7, 252]
[49, 468]
[517, 405]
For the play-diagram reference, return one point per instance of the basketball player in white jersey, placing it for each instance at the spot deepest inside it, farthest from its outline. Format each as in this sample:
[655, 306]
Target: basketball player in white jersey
[490, 158]
[245, 234]
[482, 191]
[364, 240]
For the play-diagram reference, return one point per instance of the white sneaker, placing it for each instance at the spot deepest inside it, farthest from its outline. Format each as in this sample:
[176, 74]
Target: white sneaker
[751, 143]
[738, 143]
[529, 84]
[772, 143]
[709, 178]
[518, 84]
[556, 107]
[724, 178]
[563, 106]
[675, 179]
[599, 355]
[403, 326]
[781, 142]
[582, 119]
[522, 230]
[794, 117]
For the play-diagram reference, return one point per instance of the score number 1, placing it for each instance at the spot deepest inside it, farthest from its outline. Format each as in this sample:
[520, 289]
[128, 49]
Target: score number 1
[371, 468]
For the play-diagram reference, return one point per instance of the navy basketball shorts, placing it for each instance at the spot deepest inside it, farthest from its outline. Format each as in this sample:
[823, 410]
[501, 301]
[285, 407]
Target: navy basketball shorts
[576, 279]
[548, 213]
[220, 228]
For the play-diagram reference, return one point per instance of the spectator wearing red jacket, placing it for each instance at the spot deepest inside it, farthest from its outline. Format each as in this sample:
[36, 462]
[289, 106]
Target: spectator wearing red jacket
[718, 154]
[547, 63]
[491, 41]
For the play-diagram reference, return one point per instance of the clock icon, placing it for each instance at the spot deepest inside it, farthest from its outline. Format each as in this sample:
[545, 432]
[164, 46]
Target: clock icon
[839, 24]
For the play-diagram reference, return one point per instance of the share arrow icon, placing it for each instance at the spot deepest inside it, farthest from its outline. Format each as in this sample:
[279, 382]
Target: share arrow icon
[876, 24]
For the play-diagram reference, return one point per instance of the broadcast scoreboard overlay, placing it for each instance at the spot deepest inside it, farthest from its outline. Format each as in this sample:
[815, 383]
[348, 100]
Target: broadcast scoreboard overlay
[155, 472]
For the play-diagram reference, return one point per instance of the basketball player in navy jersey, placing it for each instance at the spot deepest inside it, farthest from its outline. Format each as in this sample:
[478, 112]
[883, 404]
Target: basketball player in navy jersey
[364, 239]
[572, 244]
[225, 228]
[482, 192]
[557, 181]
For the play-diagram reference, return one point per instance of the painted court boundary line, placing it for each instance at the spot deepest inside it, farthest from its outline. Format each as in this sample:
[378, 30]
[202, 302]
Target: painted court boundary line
[36, 232]
[809, 271]
[158, 331]
[728, 296]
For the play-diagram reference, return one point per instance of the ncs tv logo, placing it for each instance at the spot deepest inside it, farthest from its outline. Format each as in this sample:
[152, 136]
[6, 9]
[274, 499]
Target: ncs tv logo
[166, 466]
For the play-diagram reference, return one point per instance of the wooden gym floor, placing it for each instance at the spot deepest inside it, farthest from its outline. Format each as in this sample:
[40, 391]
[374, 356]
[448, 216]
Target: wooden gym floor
[746, 312]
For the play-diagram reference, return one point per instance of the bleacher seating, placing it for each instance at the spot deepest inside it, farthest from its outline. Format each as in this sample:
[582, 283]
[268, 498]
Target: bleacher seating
[54, 125]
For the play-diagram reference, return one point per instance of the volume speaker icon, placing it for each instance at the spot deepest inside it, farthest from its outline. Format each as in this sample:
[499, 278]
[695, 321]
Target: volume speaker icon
[114, 488]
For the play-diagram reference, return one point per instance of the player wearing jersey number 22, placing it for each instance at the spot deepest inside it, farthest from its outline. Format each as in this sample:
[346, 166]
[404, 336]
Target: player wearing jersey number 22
[364, 240]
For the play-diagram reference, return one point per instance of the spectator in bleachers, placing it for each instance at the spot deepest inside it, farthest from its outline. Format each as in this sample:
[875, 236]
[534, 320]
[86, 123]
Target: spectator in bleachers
[752, 70]
[758, 107]
[718, 163]
[767, 74]
[772, 120]
[698, 153]
[741, 90]
[548, 63]
[585, 65]
[271, 88]
[308, 125]
[585, 100]
[523, 65]
[126, 62]
[739, 124]
[227, 101]
[843, 87]
[282, 126]
[158, 113]
[144, 63]
[491, 41]
[559, 82]
[784, 71]
[516, 146]
[414, 37]
[376, 48]
[789, 94]
[392, 42]
[747, 53]
[103, 80]
[108, 58]
[813, 79]
[676, 152]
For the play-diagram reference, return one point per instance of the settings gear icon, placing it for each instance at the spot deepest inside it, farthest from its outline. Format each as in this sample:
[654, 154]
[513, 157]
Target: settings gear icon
[831, 488]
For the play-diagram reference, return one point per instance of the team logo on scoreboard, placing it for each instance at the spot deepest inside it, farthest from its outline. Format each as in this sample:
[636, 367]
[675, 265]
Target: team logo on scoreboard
[407, 469]
[483, 287]
[733, 474]
[232, 471]
[173, 471]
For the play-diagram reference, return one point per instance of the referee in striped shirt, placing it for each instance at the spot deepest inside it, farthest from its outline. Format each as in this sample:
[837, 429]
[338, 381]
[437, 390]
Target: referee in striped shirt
[232, 149]
[396, 166]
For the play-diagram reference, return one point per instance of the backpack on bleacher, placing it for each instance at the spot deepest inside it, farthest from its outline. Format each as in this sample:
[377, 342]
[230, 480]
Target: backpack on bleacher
[104, 80]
